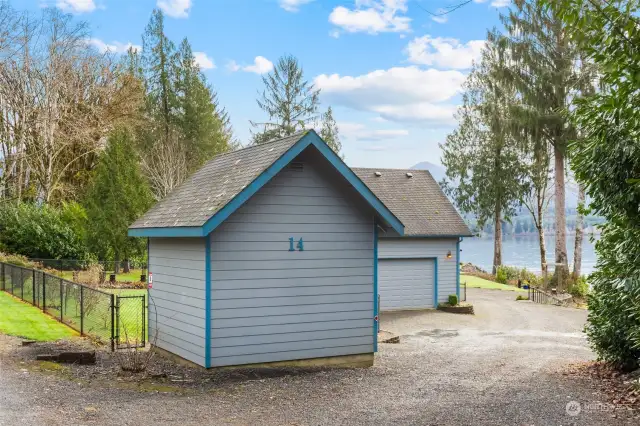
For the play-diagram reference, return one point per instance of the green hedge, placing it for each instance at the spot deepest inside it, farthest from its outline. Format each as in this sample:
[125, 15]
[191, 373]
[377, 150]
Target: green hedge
[43, 232]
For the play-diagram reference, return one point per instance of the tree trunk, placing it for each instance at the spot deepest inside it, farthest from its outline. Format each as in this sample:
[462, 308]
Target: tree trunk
[542, 244]
[127, 266]
[116, 264]
[561, 221]
[497, 242]
[577, 253]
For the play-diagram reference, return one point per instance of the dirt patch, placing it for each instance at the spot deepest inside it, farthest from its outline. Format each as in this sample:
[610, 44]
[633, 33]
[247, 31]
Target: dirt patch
[621, 389]
[162, 375]
[439, 333]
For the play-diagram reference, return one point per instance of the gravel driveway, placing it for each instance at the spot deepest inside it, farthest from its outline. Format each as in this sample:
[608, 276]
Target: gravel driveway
[500, 367]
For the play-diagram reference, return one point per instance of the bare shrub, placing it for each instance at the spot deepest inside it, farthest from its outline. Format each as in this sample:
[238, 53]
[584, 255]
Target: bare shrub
[131, 357]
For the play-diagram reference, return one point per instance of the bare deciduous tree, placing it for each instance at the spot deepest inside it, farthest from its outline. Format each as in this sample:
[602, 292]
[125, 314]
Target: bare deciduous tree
[58, 99]
[165, 166]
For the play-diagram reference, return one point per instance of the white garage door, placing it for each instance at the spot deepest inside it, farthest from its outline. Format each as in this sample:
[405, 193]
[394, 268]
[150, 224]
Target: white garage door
[406, 283]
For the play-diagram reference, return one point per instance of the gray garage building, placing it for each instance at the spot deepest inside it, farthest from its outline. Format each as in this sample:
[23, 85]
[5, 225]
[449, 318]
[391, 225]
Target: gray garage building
[421, 268]
[270, 254]
[266, 254]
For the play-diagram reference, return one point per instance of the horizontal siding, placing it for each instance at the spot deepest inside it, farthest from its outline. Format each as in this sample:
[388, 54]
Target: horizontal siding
[177, 297]
[278, 237]
[288, 273]
[295, 327]
[283, 319]
[271, 304]
[274, 283]
[425, 247]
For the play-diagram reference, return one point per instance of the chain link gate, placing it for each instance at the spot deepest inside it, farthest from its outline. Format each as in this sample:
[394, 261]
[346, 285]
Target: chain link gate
[130, 322]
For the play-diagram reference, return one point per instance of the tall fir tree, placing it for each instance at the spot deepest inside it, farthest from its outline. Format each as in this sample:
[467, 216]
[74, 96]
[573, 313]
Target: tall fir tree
[205, 127]
[329, 131]
[546, 70]
[290, 101]
[159, 64]
[118, 195]
[480, 155]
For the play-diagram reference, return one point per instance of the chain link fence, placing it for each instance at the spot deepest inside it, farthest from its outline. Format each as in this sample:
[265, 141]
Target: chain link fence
[106, 317]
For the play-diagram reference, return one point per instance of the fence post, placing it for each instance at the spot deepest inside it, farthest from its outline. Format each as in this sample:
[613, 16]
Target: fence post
[33, 285]
[2, 276]
[113, 322]
[82, 310]
[21, 284]
[61, 303]
[144, 321]
[44, 292]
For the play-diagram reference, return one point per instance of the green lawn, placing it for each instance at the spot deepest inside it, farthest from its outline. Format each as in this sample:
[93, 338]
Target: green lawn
[476, 282]
[21, 319]
[131, 276]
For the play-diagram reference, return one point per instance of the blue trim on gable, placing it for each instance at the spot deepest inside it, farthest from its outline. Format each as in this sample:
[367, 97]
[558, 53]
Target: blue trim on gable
[233, 205]
[458, 268]
[435, 284]
[207, 302]
[311, 138]
[180, 231]
[376, 323]
[355, 181]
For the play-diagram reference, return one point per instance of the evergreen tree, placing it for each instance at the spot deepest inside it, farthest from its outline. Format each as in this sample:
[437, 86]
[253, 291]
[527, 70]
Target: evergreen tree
[204, 125]
[290, 101]
[480, 154]
[546, 68]
[159, 63]
[329, 131]
[118, 195]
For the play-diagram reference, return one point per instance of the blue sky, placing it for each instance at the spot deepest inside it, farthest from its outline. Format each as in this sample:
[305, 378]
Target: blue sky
[391, 71]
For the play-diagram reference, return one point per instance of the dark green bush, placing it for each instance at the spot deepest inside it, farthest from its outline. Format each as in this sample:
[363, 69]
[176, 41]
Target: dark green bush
[614, 300]
[453, 300]
[505, 274]
[43, 232]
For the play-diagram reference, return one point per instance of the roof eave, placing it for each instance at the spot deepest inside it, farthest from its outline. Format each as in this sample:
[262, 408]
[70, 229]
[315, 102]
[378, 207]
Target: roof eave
[175, 231]
[310, 138]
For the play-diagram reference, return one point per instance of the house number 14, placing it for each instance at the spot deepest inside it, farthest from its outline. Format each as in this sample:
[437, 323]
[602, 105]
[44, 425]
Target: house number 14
[299, 245]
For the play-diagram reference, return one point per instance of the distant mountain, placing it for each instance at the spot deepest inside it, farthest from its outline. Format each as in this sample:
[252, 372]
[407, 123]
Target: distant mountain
[438, 172]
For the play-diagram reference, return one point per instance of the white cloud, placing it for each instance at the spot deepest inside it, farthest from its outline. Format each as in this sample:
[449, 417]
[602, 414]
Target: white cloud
[204, 61]
[76, 6]
[444, 52]
[496, 3]
[401, 94]
[372, 16]
[175, 8]
[292, 5]
[261, 65]
[441, 18]
[360, 132]
[113, 47]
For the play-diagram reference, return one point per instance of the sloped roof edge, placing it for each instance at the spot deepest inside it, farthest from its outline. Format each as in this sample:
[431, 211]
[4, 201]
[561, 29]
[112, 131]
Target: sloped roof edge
[220, 215]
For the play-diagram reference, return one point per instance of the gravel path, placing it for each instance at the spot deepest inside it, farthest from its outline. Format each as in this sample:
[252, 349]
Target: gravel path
[500, 367]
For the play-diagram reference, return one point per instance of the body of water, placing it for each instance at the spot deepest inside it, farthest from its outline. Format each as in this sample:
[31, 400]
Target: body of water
[523, 252]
